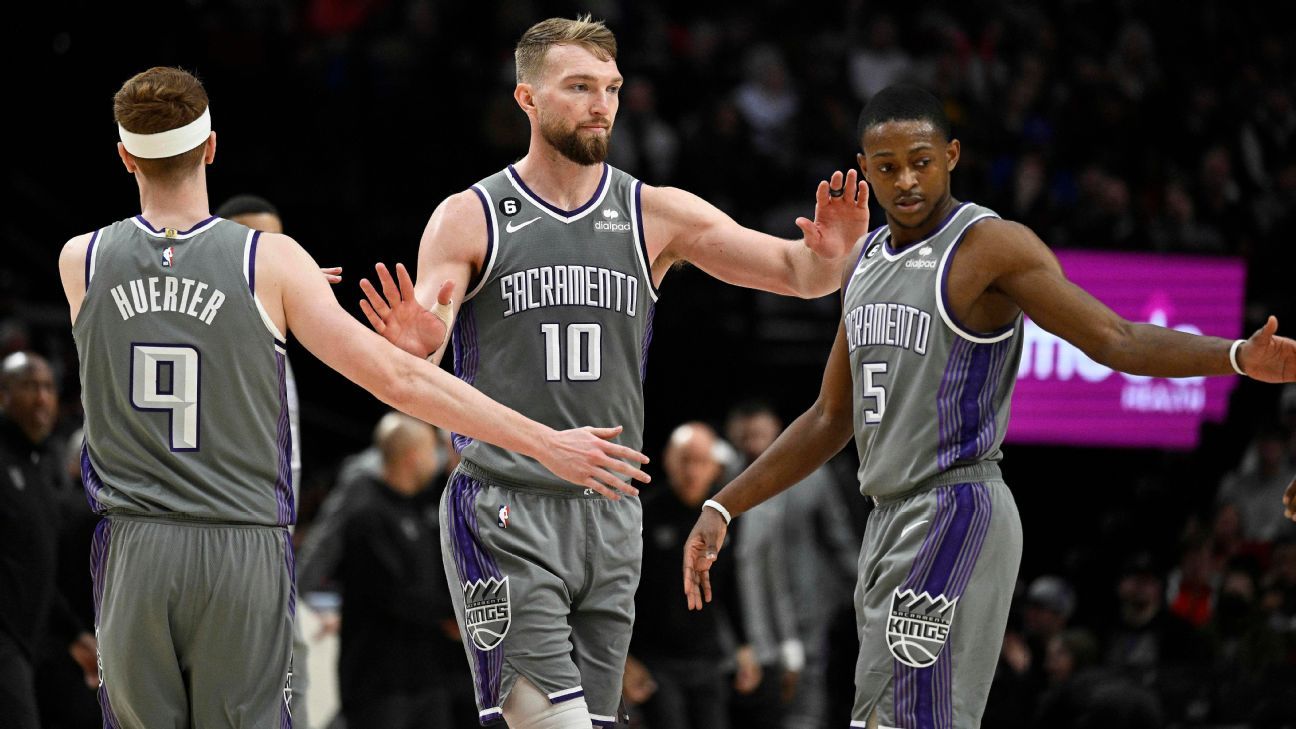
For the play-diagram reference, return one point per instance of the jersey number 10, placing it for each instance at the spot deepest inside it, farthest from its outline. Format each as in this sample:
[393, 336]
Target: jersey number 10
[584, 352]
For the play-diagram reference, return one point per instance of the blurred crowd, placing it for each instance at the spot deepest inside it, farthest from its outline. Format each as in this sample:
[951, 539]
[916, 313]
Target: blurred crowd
[1157, 590]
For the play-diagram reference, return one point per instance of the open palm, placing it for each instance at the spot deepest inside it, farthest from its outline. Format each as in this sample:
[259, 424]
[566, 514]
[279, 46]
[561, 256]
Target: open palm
[397, 314]
[839, 222]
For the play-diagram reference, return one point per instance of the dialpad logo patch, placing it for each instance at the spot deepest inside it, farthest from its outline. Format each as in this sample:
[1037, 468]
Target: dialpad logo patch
[487, 611]
[918, 626]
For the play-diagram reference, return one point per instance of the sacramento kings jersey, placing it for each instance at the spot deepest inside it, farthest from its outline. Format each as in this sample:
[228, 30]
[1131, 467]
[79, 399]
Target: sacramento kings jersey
[929, 393]
[182, 377]
[558, 323]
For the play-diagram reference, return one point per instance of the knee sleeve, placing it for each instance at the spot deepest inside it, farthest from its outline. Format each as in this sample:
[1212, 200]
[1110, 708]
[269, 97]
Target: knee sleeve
[528, 708]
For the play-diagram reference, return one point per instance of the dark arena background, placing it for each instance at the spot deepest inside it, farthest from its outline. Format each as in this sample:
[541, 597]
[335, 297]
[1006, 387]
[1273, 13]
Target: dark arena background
[1161, 128]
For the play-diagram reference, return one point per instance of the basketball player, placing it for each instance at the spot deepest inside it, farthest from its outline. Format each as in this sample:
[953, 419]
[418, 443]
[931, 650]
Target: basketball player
[922, 372]
[179, 319]
[556, 260]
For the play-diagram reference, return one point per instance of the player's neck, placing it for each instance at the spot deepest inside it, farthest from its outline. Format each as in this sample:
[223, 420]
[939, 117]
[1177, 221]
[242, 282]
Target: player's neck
[556, 179]
[179, 206]
[902, 236]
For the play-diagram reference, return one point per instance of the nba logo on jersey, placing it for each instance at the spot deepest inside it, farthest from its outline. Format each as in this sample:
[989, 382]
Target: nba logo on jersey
[503, 517]
[486, 611]
[918, 627]
[168, 256]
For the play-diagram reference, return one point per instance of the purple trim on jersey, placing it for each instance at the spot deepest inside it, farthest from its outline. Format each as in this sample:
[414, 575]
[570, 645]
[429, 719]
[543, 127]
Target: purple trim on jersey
[90, 480]
[251, 264]
[98, 568]
[647, 340]
[944, 289]
[598, 192]
[923, 697]
[466, 357]
[603, 723]
[89, 256]
[285, 508]
[965, 408]
[196, 226]
[473, 563]
[490, 239]
[927, 237]
[643, 236]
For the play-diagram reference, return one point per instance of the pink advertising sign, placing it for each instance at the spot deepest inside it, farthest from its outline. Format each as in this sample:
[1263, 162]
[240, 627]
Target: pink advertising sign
[1064, 397]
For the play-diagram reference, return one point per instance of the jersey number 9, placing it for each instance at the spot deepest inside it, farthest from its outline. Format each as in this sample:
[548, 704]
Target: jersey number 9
[164, 378]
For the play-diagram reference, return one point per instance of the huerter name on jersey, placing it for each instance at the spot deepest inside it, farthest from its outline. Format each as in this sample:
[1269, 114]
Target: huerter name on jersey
[168, 293]
[543, 286]
[892, 325]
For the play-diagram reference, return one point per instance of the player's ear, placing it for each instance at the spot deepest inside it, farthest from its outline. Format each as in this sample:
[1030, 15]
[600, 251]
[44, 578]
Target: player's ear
[862, 161]
[210, 153]
[127, 160]
[524, 94]
[952, 152]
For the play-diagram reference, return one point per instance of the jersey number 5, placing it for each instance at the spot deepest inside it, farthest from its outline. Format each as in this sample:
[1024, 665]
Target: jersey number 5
[584, 352]
[873, 389]
[164, 378]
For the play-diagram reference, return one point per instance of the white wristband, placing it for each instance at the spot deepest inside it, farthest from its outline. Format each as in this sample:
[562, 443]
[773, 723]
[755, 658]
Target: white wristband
[1233, 360]
[724, 513]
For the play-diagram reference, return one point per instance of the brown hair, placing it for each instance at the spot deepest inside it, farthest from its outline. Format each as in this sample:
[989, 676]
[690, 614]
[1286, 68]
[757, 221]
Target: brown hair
[158, 100]
[584, 31]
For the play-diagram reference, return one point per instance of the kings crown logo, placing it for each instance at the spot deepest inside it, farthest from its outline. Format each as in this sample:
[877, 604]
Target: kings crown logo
[918, 626]
[486, 611]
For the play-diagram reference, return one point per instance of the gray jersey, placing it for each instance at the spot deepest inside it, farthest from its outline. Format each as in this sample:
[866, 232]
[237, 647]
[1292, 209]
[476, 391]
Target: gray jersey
[930, 393]
[558, 323]
[182, 377]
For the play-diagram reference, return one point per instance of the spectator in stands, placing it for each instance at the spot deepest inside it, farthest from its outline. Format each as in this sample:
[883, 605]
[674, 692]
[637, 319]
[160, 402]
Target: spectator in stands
[1256, 493]
[686, 654]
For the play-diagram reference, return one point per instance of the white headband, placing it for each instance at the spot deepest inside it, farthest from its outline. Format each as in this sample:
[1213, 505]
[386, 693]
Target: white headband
[168, 143]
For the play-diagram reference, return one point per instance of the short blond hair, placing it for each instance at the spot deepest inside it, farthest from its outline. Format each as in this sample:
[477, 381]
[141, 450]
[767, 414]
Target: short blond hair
[158, 100]
[584, 31]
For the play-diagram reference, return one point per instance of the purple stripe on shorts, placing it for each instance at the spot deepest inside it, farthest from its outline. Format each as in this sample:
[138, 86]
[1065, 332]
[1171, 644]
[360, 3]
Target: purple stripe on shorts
[923, 697]
[285, 508]
[98, 568]
[466, 357]
[474, 563]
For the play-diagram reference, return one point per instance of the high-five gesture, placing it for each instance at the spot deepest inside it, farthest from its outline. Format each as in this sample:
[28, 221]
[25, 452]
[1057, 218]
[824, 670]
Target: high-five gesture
[400, 318]
[700, 552]
[841, 216]
[1268, 358]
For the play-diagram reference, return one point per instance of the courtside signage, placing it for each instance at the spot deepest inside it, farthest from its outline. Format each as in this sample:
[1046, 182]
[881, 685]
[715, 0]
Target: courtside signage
[1064, 397]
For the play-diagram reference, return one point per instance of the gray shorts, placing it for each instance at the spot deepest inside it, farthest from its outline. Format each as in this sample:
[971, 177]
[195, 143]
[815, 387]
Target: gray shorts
[937, 570]
[543, 582]
[194, 622]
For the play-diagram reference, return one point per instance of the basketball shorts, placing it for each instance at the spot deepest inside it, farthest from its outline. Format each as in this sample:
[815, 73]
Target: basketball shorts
[543, 581]
[194, 622]
[936, 575]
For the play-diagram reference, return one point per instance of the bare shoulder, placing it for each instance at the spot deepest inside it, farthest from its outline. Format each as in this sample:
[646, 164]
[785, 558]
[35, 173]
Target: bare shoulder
[75, 249]
[1003, 242]
[671, 201]
[457, 228]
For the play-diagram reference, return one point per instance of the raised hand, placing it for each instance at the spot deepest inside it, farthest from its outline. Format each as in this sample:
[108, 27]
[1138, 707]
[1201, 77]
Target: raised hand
[1269, 358]
[588, 457]
[400, 318]
[840, 219]
[700, 552]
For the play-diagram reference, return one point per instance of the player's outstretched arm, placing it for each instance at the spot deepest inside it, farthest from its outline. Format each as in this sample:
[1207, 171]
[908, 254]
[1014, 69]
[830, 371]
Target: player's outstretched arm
[452, 248]
[814, 437]
[680, 226]
[1012, 260]
[297, 298]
